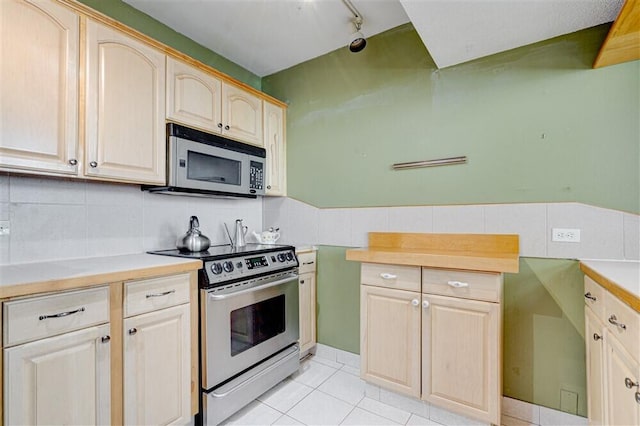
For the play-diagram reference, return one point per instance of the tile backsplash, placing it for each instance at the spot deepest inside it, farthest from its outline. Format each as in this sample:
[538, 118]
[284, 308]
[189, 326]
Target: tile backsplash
[605, 234]
[60, 219]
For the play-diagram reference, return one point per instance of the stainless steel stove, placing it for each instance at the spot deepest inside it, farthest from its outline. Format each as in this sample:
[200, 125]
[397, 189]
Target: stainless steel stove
[249, 324]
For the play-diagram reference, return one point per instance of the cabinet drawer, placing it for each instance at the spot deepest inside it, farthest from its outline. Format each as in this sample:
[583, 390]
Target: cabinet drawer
[628, 330]
[594, 297]
[155, 293]
[391, 276]
[38, 317]
[307, 262]
[467, 285]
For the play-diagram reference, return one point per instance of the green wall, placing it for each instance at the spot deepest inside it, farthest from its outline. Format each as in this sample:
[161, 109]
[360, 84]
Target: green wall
[142, 22]
[536, 123]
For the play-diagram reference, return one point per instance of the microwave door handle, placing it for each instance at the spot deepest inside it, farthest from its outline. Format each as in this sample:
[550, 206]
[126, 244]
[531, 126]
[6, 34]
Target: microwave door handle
[288, 278]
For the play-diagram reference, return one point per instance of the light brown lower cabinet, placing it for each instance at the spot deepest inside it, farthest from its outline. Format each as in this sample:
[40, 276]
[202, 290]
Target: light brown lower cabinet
[612, 335]
[307, 299]
[444, 348]
[113, 354]
[460, 355]
[390, 339]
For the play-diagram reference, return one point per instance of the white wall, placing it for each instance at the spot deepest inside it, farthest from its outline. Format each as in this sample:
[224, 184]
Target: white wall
[605, 234]
[60, 219]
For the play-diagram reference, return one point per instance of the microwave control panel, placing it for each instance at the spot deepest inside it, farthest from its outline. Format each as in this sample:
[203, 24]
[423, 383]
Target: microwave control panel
[256, 175]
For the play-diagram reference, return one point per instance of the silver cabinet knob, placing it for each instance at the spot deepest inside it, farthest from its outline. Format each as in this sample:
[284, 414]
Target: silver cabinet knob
[614, 320]
[630, 383]
[105, 339]
[220, 125]
[425, 304]
[638, 397]
[268, 186]
[133, 331]
[301, 281]
[596, 337]
[93, 164]
[589, 296]
[415, 302]
[73, 161]
[227, 127]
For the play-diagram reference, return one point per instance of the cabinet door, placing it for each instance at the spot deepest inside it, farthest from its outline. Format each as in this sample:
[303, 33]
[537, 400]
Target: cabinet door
[274, 143]
[59, 380]
[125, 108]
[38, 86]
[241, 115]
[461, 356]
[622, 407]
[307, 293]
[157, 367]
[390, 339]
[594, 341]
[193, 97]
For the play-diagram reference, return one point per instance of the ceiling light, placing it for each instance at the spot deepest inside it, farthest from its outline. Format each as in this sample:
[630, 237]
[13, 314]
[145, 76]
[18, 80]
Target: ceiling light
[359, 42]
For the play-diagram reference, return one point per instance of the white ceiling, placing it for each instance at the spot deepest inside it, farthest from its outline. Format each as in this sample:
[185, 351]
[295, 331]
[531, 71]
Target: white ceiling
[267, 36]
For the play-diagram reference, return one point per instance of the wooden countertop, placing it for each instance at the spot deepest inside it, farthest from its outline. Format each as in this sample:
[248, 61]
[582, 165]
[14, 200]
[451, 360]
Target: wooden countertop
[31, 278]
[474, 252]
[620, 278]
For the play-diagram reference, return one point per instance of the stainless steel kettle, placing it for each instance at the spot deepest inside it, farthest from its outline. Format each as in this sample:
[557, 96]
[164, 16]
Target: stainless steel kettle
[193, 240]
[241, 231]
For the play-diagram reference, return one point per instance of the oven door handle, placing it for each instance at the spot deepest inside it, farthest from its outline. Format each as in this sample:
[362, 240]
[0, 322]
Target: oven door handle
[291, 277]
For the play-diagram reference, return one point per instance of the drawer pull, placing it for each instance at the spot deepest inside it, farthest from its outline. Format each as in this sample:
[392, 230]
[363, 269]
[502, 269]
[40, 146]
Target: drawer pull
[308, 263]
[160, 294]
[638, 397]
[61, 314]
[596, 337]
[457, 284]
[415, 302]
[425, 304]
[614, 320]
[630, 383]
[105, 339]
[132, 331]
[589, 296]
[387, 276]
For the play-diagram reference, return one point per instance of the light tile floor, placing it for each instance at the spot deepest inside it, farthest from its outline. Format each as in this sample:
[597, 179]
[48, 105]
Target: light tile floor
[328, 392]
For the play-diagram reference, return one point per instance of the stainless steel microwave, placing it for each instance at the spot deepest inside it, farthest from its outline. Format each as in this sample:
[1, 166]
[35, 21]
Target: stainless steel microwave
[205, 164]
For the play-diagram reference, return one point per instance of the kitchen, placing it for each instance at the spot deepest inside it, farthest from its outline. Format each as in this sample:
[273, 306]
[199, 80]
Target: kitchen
[346, 195]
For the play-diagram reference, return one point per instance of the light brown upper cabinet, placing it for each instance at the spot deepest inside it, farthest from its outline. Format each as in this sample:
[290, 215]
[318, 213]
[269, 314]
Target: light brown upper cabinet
[125, 107]
[275, 144]
[193, 97]
[199, 99]
[241, 115]
[38, 83]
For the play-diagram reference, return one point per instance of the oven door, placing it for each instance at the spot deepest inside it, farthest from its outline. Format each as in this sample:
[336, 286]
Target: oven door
[200, 166]
[242, 327]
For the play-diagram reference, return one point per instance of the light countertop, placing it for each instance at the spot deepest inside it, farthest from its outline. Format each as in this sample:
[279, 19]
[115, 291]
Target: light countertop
[622, 278]
[30, 278]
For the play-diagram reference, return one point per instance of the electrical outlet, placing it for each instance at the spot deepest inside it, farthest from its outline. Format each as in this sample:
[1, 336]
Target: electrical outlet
[565, 235]
[4, 227]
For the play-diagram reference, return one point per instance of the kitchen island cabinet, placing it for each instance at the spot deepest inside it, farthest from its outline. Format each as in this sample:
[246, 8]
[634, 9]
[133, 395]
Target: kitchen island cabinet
[431, 320]
[612, 338]
[170, 283]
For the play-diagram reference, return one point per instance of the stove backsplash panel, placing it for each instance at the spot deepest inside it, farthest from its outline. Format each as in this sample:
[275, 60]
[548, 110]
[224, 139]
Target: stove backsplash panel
[63, 218]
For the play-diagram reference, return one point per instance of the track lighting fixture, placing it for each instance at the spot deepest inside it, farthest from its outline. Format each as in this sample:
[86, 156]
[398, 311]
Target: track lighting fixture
[359, 42]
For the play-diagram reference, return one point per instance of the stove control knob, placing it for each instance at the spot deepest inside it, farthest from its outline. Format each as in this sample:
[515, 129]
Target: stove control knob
[281, 257]
[289, 256]
[228, 266]
[216, 268]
